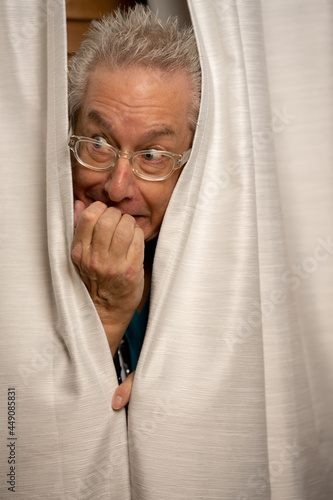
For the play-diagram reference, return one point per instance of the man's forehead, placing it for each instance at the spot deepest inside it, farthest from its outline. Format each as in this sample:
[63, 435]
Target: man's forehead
[111, 103]
[95, 117]
[137, 78]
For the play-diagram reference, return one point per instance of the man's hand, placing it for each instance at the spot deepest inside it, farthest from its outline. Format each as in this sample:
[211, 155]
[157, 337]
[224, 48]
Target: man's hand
[123, 393]
[108, 253]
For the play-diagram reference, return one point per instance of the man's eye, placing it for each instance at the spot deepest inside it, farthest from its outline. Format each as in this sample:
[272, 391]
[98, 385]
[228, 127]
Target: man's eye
[152, 156]
[100, 142]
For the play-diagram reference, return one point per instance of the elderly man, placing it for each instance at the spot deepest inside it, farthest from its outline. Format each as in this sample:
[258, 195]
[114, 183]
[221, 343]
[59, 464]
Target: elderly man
[134, 100]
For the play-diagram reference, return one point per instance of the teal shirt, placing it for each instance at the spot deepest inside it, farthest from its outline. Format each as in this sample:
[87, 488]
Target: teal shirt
[136, 330]
[135, 333]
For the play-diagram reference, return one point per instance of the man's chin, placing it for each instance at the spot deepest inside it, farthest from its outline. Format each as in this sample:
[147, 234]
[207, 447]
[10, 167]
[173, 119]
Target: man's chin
[150, 235]
[141, 222]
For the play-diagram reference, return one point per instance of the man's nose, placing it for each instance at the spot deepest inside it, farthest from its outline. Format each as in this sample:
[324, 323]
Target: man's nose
[120, 183]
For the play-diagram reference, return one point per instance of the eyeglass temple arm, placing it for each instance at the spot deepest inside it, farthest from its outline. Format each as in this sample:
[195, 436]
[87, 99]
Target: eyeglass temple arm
[185, 157]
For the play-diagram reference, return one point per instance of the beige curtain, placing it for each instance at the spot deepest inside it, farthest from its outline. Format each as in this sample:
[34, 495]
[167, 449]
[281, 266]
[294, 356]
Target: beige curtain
[233, 393]
[233, 396]
[66, 443]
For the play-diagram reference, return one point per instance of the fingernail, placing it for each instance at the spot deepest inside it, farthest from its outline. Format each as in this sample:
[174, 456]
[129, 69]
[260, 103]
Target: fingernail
[117, 403]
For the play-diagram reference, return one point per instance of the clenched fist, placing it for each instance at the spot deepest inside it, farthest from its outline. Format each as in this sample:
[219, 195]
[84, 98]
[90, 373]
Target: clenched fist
[108, 253]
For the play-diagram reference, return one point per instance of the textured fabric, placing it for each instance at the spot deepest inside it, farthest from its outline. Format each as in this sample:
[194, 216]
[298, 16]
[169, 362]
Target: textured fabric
[233, 391]
[68, 444]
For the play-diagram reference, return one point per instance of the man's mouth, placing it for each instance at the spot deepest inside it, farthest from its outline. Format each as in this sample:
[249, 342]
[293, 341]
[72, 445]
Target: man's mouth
[137, 218]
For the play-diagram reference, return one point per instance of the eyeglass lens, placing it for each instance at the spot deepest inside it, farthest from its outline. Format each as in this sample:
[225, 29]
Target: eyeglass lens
[151, 163]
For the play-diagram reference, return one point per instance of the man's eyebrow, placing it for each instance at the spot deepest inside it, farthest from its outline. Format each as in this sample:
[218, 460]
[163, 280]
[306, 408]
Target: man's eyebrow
[96, 118]
[152, 135]
[156, 133]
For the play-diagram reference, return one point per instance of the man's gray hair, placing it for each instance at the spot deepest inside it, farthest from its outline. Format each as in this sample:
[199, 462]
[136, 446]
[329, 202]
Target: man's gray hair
[135, 38]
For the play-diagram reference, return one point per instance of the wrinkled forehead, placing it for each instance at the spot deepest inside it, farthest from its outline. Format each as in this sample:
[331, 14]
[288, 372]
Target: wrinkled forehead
[138, 86]
[135, 97]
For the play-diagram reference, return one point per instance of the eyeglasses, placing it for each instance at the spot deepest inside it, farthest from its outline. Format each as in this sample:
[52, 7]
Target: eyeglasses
[151, 164]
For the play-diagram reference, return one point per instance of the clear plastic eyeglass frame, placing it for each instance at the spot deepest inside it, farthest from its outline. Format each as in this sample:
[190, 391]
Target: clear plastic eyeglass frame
[178, 159]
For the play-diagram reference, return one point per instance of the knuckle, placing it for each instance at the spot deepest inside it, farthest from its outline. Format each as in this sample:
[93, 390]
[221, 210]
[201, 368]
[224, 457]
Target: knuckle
[99, 266]
[76, 253]
[124, 231]
[105, 224]
[95, 263]
[134, 276]
[87, 216]
[94, 211]
[131, 274]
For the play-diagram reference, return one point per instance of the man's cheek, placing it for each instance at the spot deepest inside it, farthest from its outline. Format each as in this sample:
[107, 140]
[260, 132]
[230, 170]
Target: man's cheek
[79, 186]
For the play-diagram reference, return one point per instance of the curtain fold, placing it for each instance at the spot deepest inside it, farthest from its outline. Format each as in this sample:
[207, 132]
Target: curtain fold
[56, 369]
[237, 360]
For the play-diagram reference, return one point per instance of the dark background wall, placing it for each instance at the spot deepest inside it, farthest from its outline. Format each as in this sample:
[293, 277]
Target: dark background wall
[81, 12]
